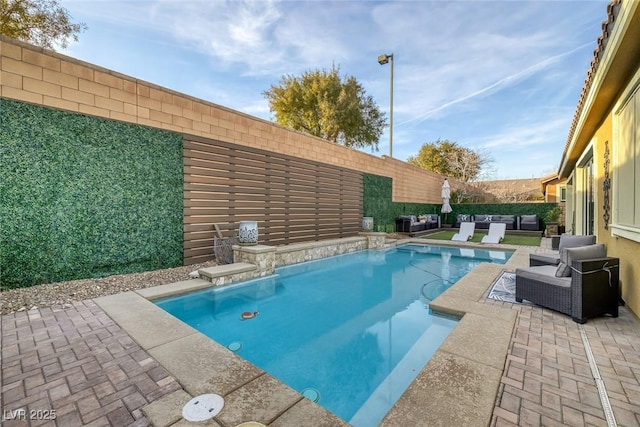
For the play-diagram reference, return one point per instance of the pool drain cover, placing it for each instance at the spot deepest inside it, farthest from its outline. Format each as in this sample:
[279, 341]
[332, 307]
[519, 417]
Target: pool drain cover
[203, 407]
[312, 394]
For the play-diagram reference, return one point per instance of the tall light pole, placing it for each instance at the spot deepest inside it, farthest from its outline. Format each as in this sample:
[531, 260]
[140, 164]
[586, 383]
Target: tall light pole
[383, 59]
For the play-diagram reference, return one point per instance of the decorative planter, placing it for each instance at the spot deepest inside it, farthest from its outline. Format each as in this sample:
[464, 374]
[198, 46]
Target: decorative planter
[367, 223]
[248, 233]
[551, 229]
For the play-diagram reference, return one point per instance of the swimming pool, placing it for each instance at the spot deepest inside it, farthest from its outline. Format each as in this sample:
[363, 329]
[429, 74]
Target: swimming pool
[350, 331]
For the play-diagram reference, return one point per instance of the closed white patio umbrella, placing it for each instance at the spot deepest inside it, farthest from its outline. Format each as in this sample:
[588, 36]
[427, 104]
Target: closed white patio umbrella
[446, 194]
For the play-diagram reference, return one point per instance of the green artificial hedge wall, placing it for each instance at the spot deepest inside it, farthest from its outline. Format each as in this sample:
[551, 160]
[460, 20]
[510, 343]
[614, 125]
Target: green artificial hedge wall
[85, 197]
[378, 204]
[377, 201]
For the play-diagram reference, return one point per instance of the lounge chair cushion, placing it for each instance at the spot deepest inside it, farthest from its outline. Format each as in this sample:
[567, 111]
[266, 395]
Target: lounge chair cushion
[528, 218]
[568, 255]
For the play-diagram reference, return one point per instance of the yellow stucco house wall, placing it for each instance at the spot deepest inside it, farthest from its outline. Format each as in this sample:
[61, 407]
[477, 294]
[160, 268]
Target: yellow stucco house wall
[601, 159]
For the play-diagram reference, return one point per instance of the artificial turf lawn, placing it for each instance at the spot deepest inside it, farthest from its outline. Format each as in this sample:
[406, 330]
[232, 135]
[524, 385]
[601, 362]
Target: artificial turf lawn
[508, 239]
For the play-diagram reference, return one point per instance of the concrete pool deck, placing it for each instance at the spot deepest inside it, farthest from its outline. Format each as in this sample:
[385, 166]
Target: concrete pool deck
[504, 364]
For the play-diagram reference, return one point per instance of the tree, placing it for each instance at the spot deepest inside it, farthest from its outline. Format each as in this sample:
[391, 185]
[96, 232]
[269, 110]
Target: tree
[321, 104]
[450, 159]
[41, 22]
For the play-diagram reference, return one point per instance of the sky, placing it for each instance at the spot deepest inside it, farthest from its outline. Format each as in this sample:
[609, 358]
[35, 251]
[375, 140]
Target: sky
[502, 78]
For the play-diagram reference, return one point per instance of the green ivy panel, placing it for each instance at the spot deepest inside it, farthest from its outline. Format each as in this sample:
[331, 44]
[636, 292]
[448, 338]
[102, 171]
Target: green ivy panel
[85, 197]
[378, 203]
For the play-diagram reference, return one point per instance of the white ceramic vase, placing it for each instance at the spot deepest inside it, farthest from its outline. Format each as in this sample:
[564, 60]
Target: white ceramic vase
[248, 233]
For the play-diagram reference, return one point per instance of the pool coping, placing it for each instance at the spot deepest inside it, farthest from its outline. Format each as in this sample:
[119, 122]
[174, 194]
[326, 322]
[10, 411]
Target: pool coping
[459, 384]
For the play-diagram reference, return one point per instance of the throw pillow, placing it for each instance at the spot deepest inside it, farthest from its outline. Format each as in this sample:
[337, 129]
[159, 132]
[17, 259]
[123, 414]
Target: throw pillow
[573, 241]
[488, 218]
[563, 270]
[568, 255]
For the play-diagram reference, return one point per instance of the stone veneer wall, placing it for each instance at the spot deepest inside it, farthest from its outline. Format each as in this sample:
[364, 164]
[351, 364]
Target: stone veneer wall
[262, 256]
[267, 258]
[301, 252]
[35, 75]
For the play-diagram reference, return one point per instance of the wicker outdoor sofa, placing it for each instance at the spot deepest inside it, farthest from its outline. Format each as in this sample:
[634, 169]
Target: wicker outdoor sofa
[411, 223]
[584, 285]
[512, 222]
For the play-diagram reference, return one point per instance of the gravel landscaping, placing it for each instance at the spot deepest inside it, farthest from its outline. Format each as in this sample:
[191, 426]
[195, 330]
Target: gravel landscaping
[61, 294]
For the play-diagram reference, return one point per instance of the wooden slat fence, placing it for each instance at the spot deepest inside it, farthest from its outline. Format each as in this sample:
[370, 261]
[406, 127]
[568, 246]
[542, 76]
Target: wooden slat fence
[293, 199]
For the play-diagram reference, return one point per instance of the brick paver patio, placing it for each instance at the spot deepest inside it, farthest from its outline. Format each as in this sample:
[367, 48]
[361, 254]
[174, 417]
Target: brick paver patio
[77, 366]
[80, 364]
[548, 381]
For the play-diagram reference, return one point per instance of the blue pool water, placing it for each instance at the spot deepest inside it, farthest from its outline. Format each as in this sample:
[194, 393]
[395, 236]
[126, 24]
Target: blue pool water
[350, 331]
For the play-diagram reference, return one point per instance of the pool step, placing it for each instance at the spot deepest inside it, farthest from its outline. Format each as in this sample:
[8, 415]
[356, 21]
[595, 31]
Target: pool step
[390, 243]
[172, 289]
[216, 271]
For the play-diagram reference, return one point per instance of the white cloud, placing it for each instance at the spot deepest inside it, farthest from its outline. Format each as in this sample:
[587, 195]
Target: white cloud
[533, 134]
[230, 32]
[463, 69]
[498, 85]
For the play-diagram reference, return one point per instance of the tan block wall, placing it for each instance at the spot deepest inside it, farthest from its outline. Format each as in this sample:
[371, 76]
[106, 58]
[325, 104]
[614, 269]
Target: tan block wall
[42, 77]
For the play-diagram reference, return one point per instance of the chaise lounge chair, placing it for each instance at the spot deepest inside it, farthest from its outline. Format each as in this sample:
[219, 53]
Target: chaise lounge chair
[583, 286]
[496, 233]
[466, 232]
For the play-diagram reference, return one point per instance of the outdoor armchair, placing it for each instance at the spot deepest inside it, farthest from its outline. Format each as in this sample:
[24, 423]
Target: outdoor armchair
[584, 285]
[529, 222]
